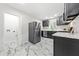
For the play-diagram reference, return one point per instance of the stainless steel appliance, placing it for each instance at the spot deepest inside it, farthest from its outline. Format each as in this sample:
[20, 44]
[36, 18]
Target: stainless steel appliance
[34, 32]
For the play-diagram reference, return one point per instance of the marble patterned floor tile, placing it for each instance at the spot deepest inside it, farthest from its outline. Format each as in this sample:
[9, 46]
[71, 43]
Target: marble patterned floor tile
[43, 48]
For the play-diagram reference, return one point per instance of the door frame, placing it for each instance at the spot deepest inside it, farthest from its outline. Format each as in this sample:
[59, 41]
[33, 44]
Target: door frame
[19, 33]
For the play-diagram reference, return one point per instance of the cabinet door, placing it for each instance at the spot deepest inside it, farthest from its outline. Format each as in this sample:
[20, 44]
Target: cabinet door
[66, 47]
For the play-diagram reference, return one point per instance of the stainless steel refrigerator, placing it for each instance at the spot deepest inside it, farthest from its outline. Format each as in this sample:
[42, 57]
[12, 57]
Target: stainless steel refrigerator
[34, 32]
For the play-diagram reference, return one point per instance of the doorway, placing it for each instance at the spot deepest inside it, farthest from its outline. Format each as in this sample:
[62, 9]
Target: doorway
[11, 27]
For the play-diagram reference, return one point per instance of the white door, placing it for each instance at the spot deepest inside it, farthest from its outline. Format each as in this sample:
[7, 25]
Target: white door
[11, 23]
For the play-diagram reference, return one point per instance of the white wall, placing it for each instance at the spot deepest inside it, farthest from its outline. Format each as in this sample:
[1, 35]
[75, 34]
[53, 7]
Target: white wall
[23, 27]
[1, 29]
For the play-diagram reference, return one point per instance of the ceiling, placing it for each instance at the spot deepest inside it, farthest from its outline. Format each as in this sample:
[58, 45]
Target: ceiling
[39, 10]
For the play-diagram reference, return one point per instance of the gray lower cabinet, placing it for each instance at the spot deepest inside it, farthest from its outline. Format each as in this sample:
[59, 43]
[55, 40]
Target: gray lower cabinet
[66, 46]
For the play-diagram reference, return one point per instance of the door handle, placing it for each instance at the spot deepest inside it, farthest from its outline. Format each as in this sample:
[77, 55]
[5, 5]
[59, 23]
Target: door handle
[8, 30]
[14, 31]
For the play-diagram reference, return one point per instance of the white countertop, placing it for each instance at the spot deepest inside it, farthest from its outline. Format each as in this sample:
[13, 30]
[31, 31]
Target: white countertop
[67, 35]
